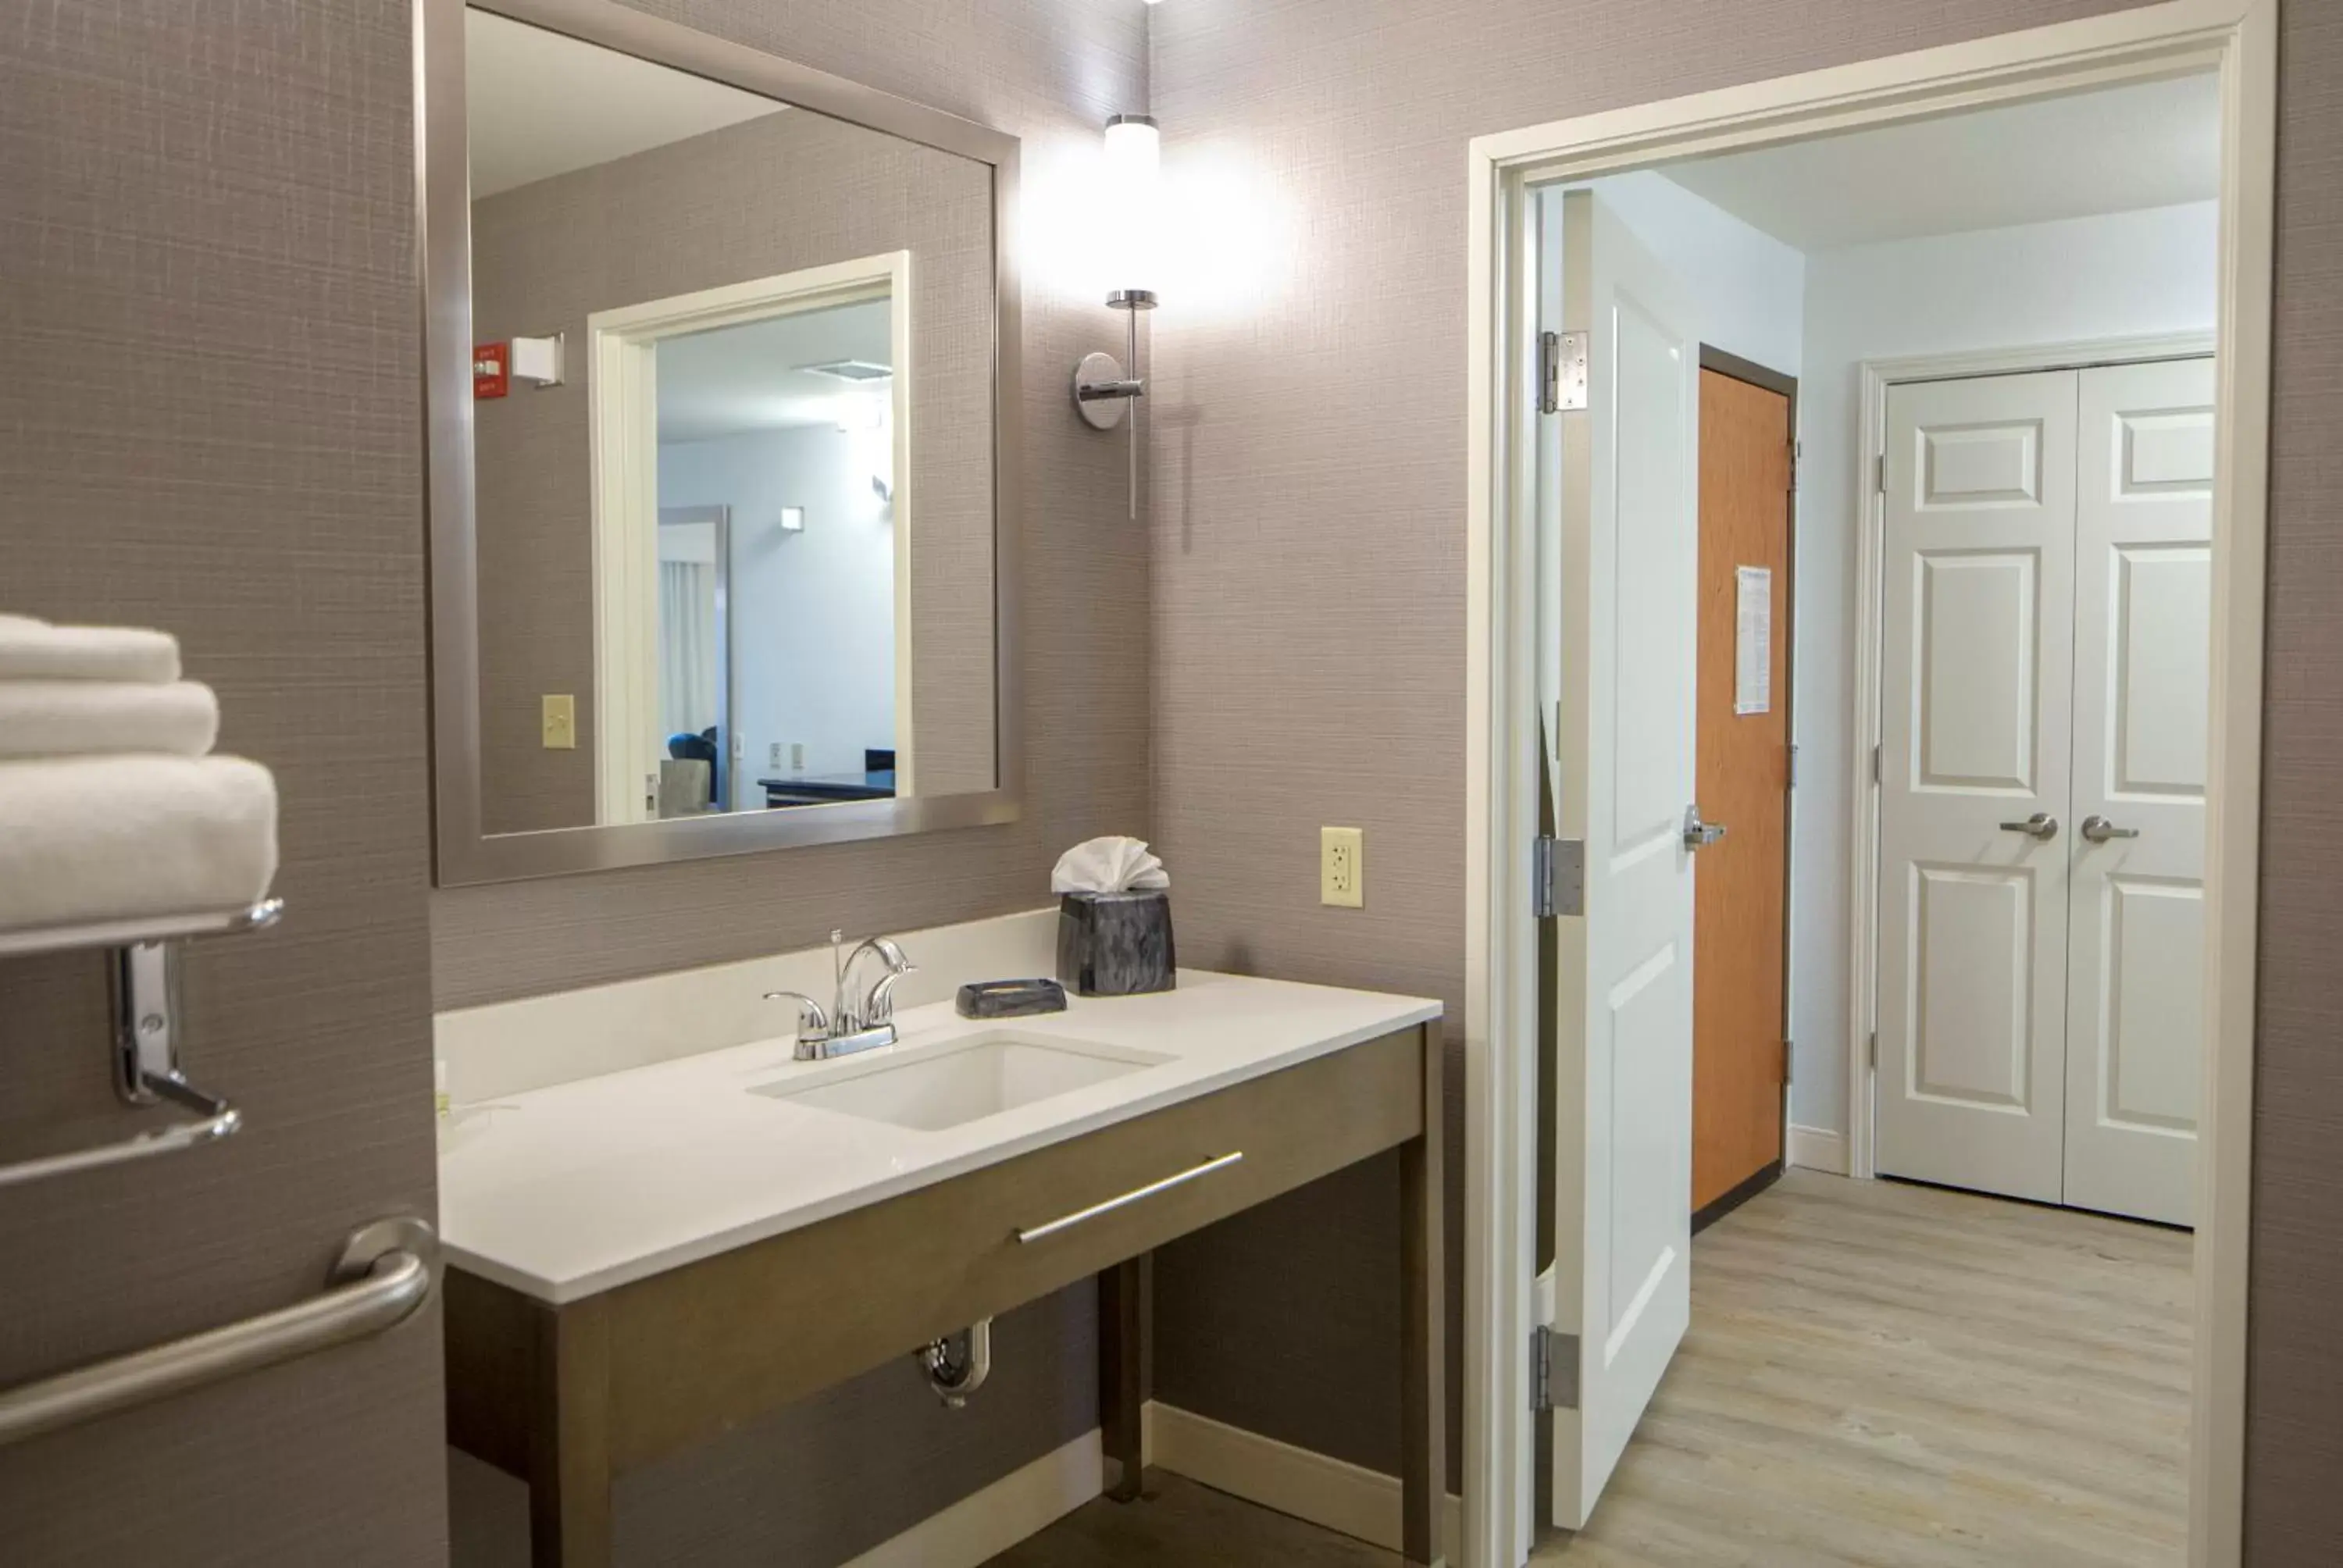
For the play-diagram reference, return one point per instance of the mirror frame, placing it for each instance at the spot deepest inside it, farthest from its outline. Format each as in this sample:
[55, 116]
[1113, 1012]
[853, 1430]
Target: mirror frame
[464, 854]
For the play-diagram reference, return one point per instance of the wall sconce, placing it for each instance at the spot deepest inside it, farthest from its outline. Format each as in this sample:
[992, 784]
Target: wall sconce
[1102, 393]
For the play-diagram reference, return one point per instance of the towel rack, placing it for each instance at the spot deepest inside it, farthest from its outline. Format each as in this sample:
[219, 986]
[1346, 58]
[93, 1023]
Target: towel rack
[146, 1031]
[384, 1273]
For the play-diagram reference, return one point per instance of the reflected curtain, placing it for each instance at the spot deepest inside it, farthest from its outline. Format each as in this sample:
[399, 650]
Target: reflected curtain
[687, 627]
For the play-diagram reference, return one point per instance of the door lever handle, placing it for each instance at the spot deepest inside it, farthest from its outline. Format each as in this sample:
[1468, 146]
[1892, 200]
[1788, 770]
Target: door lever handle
[2099, 831]
[2041, 826]
[1697, 834]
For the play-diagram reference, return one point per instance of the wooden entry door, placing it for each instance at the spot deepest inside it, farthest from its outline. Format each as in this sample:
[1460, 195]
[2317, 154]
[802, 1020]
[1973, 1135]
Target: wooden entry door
[1740, 1047]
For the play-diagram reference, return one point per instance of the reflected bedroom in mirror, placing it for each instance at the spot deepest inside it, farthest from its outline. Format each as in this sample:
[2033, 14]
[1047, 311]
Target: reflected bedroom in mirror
[734, 464]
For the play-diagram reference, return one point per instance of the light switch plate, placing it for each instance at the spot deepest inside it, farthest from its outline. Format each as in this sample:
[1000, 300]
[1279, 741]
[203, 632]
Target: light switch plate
[560, 719]
[1342, 866]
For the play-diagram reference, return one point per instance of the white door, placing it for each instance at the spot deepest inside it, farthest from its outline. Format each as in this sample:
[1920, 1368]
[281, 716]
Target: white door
[1977, 673]
[2143, 636]
[1628, 607]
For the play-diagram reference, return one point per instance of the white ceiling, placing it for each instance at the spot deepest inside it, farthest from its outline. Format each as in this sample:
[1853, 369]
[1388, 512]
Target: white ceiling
[540, 105]
[2155, 144]
[741, 378]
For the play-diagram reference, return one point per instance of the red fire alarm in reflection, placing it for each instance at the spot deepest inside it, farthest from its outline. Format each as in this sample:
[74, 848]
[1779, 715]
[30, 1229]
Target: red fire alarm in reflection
[491, 369]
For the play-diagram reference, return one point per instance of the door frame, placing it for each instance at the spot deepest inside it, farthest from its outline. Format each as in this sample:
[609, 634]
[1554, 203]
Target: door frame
[2239, 40]
[622, 423]
[723, 786]
[1877, 376]
[1766, 378]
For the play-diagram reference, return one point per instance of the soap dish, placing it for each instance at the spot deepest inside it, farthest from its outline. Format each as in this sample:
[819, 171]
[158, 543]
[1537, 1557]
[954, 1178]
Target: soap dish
[1011, 998]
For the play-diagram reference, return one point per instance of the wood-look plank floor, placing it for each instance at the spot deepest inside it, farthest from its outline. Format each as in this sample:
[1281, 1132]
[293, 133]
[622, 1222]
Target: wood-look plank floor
[1877, 1376]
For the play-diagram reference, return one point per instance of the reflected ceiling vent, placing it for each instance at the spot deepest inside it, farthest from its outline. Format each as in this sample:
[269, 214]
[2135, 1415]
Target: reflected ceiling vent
[848, 370]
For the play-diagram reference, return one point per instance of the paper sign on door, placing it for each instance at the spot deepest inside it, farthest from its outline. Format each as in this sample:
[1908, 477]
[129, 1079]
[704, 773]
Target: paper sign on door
[1753, 640]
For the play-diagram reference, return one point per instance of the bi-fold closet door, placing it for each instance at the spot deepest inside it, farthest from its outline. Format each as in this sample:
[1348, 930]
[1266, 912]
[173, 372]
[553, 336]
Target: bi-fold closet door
[2045, 675]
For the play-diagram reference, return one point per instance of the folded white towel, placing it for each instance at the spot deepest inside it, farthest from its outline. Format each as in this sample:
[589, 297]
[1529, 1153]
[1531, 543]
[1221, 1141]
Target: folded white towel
[35, 650]
[86, 718]
[85, 839]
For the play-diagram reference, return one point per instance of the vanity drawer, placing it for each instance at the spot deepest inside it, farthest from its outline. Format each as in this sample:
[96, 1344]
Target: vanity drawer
[706, 1346]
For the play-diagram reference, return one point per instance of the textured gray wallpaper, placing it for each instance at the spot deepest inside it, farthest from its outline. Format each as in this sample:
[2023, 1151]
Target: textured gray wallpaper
[1308, 593]
[782, 192]
[208, 422]
[1049, 71]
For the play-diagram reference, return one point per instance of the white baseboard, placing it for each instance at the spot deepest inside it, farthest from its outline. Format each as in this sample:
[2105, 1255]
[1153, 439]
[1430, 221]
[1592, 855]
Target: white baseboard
[1818, 1149]
[1328, 1493]
[983, 1524]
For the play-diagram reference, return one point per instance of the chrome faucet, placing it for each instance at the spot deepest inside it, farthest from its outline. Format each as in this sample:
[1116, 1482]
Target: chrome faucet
[851, 1023]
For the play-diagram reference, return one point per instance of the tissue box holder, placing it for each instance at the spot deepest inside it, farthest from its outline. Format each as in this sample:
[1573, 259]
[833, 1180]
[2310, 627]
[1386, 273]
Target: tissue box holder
[1116, 944]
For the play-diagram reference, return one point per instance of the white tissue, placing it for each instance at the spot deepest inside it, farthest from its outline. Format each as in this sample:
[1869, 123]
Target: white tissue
[1108, 866]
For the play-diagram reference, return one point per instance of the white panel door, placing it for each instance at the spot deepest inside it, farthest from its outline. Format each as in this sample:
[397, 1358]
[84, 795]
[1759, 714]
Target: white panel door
[1976, 675]
[2143, 639]
[1629, 613]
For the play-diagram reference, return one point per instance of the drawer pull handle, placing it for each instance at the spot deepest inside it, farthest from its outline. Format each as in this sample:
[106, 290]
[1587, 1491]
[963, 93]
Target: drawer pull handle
[1067, 1222]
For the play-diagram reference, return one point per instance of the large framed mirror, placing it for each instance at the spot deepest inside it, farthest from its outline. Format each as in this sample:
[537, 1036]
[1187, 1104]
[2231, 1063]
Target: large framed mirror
[720, 365]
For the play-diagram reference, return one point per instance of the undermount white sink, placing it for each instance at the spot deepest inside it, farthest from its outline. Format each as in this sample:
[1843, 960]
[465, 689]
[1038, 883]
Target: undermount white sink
[964, 1080]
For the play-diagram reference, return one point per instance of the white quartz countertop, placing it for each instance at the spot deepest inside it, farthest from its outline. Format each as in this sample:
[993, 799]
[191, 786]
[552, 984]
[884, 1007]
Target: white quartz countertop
[566, 1191]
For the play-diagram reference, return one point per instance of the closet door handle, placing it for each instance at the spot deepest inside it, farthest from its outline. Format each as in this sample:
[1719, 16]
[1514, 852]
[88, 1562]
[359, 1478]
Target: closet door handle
[2099, 831]
[2042, 826]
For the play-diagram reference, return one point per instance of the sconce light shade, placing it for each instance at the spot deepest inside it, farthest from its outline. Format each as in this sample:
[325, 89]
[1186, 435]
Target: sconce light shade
[1102, 388]
[1133, 159]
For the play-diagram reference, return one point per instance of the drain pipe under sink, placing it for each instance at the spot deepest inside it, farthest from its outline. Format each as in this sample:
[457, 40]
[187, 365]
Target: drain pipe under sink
[957, 1365]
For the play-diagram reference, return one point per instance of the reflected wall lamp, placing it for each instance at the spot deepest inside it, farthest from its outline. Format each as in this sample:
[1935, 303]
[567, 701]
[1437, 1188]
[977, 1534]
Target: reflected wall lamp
[1103, 394]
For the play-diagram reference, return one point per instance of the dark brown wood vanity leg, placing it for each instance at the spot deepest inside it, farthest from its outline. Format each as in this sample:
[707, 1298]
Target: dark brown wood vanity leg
[569, 1438]
[1125, 1294]
[1424, 1405]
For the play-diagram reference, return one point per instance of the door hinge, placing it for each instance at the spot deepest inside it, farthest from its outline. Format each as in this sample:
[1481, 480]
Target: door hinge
[1557, 877]
[1789, 1062]
[1793, 765]
[1797, 454]
[1871, 1054]
[1554, 1369]
[1879, 473]
[1562, 371]
[1875, 765]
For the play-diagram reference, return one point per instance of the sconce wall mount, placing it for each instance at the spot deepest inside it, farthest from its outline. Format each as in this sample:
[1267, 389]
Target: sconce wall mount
[1102, 391]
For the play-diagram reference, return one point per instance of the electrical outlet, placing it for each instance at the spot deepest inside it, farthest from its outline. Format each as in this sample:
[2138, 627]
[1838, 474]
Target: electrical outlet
[1342, 866]
[773, 756]
[560, 723]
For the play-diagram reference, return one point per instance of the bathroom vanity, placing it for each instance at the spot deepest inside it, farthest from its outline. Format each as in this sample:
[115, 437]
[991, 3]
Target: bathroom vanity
[724, 477]
[638, 1261]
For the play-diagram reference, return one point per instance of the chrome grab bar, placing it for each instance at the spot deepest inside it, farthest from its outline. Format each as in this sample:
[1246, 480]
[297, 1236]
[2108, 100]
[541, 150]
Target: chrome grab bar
[383, 1275]
[1067, 1222]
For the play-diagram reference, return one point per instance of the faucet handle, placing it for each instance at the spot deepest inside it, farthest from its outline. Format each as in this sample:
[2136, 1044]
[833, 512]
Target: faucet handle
[813, 1018]
[881, 1008]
